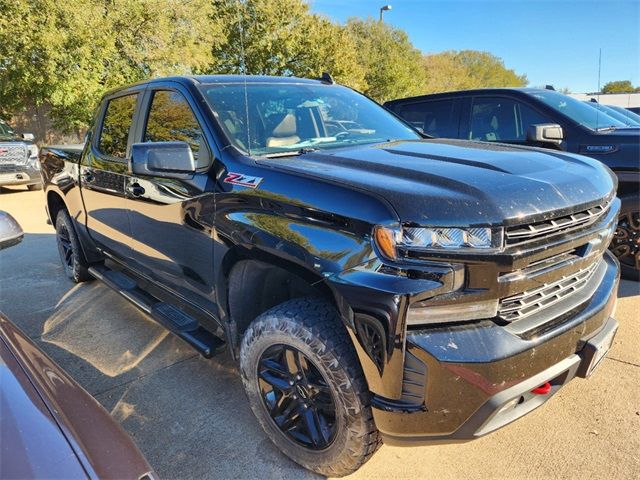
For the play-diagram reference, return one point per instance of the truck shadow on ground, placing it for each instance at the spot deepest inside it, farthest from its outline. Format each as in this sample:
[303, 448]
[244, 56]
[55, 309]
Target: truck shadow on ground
[188, 415]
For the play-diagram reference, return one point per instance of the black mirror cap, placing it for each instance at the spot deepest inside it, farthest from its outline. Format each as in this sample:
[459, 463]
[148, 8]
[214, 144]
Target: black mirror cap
[162, 159]
[10, 231]
[545, 133]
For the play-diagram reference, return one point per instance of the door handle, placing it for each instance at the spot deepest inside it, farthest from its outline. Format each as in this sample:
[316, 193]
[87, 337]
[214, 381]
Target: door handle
[87, 176]
[135, 189]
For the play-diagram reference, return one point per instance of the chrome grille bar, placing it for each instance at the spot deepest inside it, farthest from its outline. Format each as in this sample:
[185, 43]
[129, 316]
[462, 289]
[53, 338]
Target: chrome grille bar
[522, 233]
[532, 301]
[13, 153]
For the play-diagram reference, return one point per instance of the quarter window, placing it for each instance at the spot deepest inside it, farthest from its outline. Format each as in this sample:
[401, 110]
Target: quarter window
[116, 125]
[172, 120]
[502, 120]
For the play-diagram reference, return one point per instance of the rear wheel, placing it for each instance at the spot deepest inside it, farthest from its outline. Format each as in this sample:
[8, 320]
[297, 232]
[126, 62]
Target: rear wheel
[625, 244]
[306, 387]
[73, 261]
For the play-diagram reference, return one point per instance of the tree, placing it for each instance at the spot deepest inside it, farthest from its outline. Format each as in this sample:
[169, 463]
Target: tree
[67, 53]
[281, 37]
[465, 69]
[47, 52]
[389, 59]
[620, 86]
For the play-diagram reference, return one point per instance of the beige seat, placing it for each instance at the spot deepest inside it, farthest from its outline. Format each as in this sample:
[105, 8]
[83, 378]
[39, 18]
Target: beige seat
[284, 133]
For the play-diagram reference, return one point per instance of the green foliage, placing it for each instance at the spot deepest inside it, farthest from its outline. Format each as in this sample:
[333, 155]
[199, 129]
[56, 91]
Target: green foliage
[389, 59]
[465, 69]
[620, 86]
[281, 37]
[67, 53]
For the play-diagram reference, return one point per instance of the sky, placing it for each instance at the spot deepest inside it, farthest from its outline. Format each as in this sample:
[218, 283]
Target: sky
[553, 42]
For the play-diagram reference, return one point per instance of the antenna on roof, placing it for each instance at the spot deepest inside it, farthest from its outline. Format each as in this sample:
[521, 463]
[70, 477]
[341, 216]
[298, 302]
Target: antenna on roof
[327, 78]
[243, 67]
[549, 87]
[599, 71]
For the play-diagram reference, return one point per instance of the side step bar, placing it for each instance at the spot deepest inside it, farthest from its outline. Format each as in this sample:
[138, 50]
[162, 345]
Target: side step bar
[176, 321]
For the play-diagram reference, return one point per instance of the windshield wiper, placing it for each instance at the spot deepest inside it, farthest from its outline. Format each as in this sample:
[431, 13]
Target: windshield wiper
[292, 153]
[606, 129]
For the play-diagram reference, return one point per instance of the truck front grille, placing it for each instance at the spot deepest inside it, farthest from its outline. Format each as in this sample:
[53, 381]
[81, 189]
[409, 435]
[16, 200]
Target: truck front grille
[522, 233]
[527, 303]
[13, 153]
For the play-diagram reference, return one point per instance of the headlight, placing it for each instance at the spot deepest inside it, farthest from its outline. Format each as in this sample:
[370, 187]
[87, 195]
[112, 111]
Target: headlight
[33, 151]
[446, 238]
[389, 240]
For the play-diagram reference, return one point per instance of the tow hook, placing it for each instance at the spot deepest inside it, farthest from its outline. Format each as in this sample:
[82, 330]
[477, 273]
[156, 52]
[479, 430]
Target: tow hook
[542, 389]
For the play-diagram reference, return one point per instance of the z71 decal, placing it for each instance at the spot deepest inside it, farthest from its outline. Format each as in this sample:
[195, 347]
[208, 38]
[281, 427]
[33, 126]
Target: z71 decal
[242, 180]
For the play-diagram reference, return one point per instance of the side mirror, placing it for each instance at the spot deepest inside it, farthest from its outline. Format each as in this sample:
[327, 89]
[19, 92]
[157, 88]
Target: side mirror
[162, 159]
[28, 137]
[545, 133]
[10, 231]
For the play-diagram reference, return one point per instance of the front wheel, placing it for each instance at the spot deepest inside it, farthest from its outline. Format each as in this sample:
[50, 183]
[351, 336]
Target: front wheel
[306, 387]
[625, 244]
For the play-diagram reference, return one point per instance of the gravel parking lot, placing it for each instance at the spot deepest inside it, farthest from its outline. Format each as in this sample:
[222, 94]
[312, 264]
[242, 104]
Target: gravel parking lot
[190, 418]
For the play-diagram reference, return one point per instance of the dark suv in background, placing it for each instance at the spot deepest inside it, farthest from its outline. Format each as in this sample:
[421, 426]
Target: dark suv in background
[543, 118]
[18, 159]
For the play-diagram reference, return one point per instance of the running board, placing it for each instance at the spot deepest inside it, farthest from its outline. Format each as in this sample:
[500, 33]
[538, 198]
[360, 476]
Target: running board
[169, 316]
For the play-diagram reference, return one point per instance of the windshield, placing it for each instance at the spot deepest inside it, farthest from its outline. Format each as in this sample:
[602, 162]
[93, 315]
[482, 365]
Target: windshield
[626, 120]
[578, 111]
[627, 114]
[289, 118]
[5, 131]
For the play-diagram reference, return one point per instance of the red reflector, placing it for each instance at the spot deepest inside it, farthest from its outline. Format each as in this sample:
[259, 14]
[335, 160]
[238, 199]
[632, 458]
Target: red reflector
[542, 389]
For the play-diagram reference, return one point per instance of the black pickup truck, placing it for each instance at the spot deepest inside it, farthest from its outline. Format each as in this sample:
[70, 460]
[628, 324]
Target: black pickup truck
[549, 119]
[374, 285]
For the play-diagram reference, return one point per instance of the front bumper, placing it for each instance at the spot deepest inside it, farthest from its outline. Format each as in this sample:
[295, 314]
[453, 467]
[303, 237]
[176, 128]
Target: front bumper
[19, 175]
[468, 392]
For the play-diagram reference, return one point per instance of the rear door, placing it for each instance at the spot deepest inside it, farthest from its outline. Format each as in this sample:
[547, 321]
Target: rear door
[438, 118]
[103, 172]
[172, 219]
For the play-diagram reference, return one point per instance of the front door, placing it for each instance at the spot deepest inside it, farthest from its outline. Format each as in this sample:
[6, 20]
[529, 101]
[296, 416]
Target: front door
[502, 119]
[103, 173]
[172, 220]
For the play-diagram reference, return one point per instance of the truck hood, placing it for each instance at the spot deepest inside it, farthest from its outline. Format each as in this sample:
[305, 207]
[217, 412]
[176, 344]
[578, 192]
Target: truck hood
[459, 183]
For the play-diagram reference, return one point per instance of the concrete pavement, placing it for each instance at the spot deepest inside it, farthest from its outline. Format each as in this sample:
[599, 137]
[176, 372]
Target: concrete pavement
[190, 418]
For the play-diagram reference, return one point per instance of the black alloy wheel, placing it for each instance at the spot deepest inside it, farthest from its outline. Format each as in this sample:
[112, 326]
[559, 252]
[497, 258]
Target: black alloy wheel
[306, 387]
[625, 244]
[65, 248]
[297, 397]
[73, 261]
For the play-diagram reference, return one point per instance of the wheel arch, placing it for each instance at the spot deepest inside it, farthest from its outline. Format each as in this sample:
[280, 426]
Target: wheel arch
[253, 281]
[55, 203]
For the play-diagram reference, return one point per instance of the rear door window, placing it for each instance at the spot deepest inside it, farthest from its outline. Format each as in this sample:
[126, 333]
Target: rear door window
[501, 119]
[118, 118]
[438, 118]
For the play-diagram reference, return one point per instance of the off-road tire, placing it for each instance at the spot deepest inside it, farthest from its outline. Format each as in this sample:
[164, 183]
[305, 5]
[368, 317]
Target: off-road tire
[74, 263]
[314, 328]
[628, 227]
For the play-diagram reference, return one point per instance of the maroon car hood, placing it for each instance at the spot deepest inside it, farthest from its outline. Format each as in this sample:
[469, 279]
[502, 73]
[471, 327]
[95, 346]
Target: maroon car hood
[50, 426]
